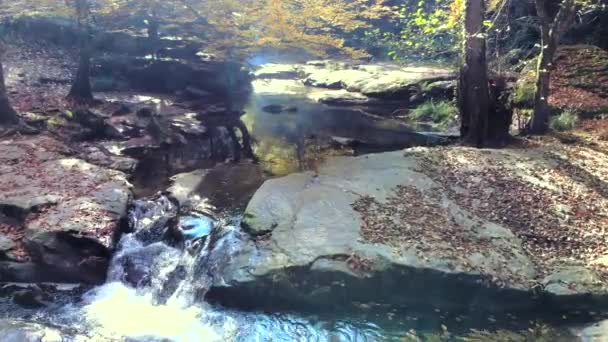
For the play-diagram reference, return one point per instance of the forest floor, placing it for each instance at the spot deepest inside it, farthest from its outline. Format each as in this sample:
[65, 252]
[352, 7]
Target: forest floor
[580, 79]
[38, 75]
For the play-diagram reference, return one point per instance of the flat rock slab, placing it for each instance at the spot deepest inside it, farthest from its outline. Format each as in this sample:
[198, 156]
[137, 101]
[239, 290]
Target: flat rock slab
[54, 193]
[387, 229]
[375, 80]
[67, 194]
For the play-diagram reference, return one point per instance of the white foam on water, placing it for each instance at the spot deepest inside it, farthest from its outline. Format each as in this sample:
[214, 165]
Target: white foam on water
[118, 311]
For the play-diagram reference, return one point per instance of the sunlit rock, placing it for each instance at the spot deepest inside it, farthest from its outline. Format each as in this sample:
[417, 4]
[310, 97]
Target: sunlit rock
[397, 229]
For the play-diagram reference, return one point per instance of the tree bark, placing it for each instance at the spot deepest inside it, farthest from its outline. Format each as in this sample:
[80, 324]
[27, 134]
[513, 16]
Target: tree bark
[247, 141]
[473, 89]
[81, 89]
[153, 26]
[8, 115]
[551, 32]
[153, 36]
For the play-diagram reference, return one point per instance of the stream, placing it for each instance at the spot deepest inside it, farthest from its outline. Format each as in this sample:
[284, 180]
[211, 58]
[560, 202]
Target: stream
[156, 291]
[162, 269]
[158, 281]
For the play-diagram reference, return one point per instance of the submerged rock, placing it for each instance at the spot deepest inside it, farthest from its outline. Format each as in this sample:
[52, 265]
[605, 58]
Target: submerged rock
[386, 229]
[595, 332]
[195, 227]
[22, 331]
[185, 185]
[278, 109]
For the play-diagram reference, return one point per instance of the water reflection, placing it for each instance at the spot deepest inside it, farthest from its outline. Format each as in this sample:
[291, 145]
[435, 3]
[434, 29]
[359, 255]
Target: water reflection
[288, 122]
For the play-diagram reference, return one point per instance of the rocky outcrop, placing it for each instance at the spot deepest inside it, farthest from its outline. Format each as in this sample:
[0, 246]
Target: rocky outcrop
[377, 81]
[225, 80]
[366, 83]
[414, 229]
[68, 210]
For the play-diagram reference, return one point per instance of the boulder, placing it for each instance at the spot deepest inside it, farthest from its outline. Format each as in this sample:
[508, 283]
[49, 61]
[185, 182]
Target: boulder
[595, 332]
[74, 258]
[336, 79]
[186, 185]
[22, 331]
[383, 81]
[97, 123]
[28, 272]
[401, 83]
[6, 244]
[101, 157]
[383, 229]
[340, 97]
[277, 71]
[440, 89]
[31, 298]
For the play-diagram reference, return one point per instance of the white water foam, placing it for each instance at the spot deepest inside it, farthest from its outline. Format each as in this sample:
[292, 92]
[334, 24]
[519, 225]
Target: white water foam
[117, 311]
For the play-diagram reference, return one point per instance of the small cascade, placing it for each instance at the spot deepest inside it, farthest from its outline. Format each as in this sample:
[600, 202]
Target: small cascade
[158, 278]
[166, 252]
[162, 270]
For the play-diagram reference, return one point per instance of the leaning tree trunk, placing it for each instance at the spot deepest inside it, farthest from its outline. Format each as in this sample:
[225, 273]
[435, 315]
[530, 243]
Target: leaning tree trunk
[473, 89]
[8, 115]
[551, 32]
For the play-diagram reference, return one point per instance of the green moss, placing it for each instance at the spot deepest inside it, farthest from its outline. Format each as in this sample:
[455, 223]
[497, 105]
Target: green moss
[441, 113]
[565, 121]
[524, 92]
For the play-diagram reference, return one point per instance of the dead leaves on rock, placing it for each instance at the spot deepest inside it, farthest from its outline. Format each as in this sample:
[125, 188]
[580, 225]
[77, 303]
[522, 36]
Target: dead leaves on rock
[36, 168]
[38, 76]
[563, 222]
[411, 218]
[554, 197]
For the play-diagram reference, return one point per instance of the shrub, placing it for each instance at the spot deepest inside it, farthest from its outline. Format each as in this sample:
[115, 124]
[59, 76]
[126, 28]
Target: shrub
[566, 120]
[441, 113]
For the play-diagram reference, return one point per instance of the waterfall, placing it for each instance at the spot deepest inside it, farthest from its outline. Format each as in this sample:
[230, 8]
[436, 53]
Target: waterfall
[156, 285]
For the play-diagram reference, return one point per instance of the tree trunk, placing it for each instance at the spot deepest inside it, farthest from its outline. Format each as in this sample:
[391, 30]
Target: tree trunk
[153, 26]
[473, 89]
[247, 141]
[81, 87]
[8, 115]
[551, 32]
[153, 36]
